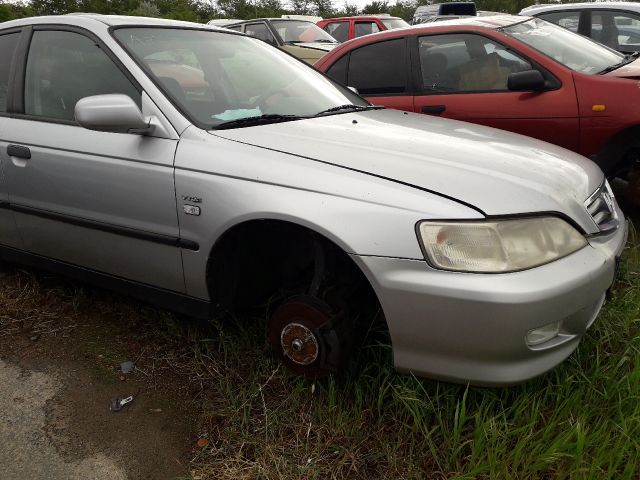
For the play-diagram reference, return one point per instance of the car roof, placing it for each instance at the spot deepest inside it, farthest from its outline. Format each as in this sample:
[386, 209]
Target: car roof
[85, 19]
[362, 17]
[273, 19]
[552, 7]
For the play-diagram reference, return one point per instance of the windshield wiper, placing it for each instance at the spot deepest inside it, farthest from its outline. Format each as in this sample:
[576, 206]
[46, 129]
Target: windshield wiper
[324, 40]
[348, 108]
[627, 59]
[258, 120]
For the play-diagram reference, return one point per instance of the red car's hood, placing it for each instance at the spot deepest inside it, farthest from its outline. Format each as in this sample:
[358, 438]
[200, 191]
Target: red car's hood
[631, 70]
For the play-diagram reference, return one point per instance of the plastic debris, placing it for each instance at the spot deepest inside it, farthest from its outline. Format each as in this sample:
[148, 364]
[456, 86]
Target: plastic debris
[126, 367]
[119, 402]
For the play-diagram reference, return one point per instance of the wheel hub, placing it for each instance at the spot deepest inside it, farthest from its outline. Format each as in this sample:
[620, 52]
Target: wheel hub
[299, 344]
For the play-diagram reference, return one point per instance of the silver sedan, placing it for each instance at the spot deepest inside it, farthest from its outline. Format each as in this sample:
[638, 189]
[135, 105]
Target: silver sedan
[206, 171]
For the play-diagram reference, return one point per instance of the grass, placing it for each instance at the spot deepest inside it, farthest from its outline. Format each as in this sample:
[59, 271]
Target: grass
[581, 420]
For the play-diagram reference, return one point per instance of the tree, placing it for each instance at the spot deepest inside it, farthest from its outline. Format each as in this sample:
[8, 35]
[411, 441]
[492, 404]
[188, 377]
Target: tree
[376, 7]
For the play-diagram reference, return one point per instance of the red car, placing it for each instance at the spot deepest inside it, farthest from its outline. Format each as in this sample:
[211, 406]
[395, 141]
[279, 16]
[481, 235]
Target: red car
[515, 73]
[346, 28]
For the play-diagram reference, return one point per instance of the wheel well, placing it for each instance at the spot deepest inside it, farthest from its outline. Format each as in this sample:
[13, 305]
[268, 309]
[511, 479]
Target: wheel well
[261, 262]
[611, 158]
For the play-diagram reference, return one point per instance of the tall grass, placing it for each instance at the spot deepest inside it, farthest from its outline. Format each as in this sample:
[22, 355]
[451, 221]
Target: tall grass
[581, 420]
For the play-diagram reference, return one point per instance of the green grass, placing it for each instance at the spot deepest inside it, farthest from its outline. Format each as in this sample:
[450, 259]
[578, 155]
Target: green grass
[581, 420]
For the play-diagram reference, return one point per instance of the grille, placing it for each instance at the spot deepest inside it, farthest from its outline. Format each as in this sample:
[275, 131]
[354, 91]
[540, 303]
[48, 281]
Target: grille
[601, 207]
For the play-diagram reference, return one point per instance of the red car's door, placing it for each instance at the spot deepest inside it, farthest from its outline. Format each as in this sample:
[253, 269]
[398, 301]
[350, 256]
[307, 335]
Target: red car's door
[464, 76]
[380, 71]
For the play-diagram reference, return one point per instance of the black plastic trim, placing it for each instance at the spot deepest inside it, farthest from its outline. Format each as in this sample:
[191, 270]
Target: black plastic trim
[104, 227]
[167, 299]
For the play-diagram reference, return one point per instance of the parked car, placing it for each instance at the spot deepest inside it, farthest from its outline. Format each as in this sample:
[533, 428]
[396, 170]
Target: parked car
[346, 28]
[300, 38]
[519, 74]
[443, 11]
[489, 253]
[615, 24]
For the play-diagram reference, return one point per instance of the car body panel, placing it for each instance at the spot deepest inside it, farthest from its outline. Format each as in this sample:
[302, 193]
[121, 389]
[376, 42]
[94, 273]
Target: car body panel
[350, 22]
[494, 160]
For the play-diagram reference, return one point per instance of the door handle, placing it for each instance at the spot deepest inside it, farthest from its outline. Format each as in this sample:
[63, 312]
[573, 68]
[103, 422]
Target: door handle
[19, 151]
[434, 109]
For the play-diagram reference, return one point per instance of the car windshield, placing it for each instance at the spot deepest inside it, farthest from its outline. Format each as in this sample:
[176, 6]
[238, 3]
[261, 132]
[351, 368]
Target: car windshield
[217, 78]
[296, 31]
[392, 23]
[570, 49]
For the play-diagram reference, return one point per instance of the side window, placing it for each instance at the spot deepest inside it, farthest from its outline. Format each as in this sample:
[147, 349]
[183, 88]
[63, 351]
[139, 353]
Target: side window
[569, 20]
[237, 28]
[618, 30]
[365, 28]
[64, 67]
[379, 68]
[7, 47]
[466, 63]
[338, 30]
[260, 30]
[338, 71]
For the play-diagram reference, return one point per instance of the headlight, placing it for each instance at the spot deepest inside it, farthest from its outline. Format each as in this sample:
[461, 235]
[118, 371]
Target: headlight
[498, 246]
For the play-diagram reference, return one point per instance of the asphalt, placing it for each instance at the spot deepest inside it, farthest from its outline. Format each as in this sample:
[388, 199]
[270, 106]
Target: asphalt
[26, 451]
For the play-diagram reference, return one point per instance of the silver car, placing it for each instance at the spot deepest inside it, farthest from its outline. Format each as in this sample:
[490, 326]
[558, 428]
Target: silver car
[206, 171]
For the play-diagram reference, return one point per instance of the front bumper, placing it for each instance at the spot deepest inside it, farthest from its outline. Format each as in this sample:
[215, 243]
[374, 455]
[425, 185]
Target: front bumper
[466, 327]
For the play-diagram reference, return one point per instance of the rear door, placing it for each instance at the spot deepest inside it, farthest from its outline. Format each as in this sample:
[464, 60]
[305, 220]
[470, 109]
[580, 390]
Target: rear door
[464, 76]
[379, 71]
[8, 43]
[101, 201]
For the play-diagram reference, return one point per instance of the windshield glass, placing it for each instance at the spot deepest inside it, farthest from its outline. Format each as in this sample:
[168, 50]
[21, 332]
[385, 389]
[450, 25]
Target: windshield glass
[570, 49]
[301, 31]
[217, 77]
[392, 23]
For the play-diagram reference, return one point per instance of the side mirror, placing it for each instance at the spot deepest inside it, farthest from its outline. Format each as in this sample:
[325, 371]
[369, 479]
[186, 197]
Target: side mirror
[115, 113]
[529, 80]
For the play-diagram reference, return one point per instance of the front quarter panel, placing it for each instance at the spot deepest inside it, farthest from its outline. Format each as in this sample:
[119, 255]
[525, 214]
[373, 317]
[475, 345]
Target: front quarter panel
[233, 182]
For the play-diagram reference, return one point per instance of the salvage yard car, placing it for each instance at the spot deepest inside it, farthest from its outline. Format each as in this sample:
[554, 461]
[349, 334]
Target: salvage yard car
[260, 181]
[301, 38]
[520, 74]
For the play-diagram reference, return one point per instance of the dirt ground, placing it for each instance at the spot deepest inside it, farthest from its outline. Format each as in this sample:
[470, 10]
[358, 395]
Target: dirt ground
[60, 369]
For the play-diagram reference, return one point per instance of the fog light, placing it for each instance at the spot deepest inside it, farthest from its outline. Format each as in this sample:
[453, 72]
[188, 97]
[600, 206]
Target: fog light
[542, 334]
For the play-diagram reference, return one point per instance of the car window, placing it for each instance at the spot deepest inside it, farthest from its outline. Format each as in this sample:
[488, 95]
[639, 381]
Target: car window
[617, 30]
[296, 31]
[574, 51]
[338, 71]
[7, 47]
[260, 30]
[379, 68]
[568, 19]
[391, 23]
[220, 77]
[365, 28]
[237, 28]
[461, 63]
[64, 67]
[338, 30]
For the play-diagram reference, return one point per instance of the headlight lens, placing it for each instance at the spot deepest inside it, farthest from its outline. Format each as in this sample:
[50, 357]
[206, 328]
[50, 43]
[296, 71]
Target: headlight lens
[498, 246]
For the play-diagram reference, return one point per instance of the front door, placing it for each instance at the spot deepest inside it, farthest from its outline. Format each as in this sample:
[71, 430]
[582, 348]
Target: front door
[464, 77]
[102, 201]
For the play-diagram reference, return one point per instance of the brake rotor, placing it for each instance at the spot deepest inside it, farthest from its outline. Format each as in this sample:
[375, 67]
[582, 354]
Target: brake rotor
[301, 333]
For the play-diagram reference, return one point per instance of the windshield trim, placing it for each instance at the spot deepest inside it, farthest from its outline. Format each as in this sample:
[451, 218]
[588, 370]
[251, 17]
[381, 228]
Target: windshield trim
[163, 90]
[502, 30]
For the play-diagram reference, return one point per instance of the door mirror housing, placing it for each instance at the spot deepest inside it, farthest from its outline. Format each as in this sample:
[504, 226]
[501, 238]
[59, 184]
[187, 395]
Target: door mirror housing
[114, 113]
[529, 80]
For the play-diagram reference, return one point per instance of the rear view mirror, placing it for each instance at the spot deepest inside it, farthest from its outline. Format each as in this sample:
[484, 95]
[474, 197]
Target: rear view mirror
[529, 80]
[115, 113]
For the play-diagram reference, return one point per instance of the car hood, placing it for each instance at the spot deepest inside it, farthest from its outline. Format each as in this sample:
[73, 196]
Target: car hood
[325, 47]
[497, 172]
[631, 70]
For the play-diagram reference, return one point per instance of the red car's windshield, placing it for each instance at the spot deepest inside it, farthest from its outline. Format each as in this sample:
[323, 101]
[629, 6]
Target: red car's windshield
[570, 49]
